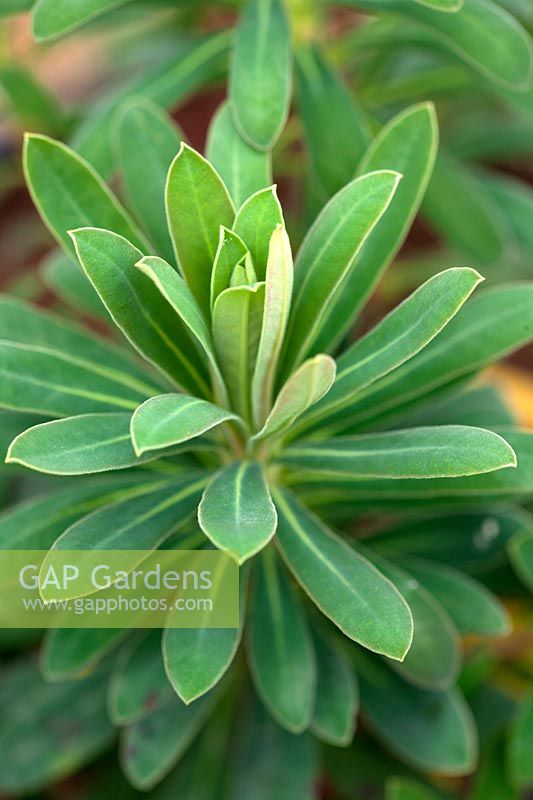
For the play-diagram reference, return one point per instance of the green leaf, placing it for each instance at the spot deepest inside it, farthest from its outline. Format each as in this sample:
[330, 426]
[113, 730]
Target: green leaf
[193, 63]
[236, 511]
[8, 7]
[280, 649]
[471, 224]
[28, 325]
[327, 256]
[34, 106]
[37, 523]
[65, 278]
[520, 550]
[138, 684]
[197, 658]
[142, 127]
[170, 419]
[404, 332]
[52, 18]
[255, 222]
[520, 744]
[271, 762]
[337, 695]
[344, 585]
[278, 293]
[243, 169]
[237, 317]
[231, 251]
[434, 658]
[197, 204]
[483, 406]
[141, 522]
[69, 653]
[69, 194]
[490, 326]
[54, 384]
[311, 381]
[78, 445]
[150, 748]
[137, 307]
[333, 122]
[407, 144]
[447, 451]
[431, 731]
[405, 788]
[179, 296]
[67, 728]
[471, 607]
[261, 68]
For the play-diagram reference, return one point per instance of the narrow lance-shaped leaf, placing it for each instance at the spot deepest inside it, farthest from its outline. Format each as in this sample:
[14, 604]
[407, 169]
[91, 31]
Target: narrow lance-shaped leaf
[197, 658]
[255, 222]
[280, 648]
[278, 294]
[237, 512]
[494, 323]
[434, 658]
[333, 122]
[261, 68]
[398, 337]
[170, 419]
[407, 144]
[337, 695]
[471, 224]
[197, 204]
[52, 18]
[150, 748]
[230, 252]
[432, 731]
[78, 445]
[69, 194]
[55, 384]
[174, 289]
[237, 317]
[69, 653]
[138, 684]
[243, 169]
[472, 608]
[311, 381]
[143, 128]
[447, 451]
[138, 308]
[34, 106]
[520, 551]
[344, 585]
[29, 325]
[521, 740]
[328, 254]
[137, 523]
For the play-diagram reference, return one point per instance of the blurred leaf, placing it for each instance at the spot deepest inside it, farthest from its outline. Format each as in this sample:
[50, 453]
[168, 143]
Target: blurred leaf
[243, 169]
[520, 550]
[66, 279]
[431, 731]
[343, 584]
[236, 511]
[71, 652]
[34, 106]
[405, 788]
[143, 128]
[337, 694]
[333, 121]
[261, 68]
[280, 649]
[49, 731]
[521, 744]
[138, 684]
[52, 18]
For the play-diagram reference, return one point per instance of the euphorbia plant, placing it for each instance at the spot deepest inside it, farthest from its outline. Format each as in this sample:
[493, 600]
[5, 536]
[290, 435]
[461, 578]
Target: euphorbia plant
[227, 423]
